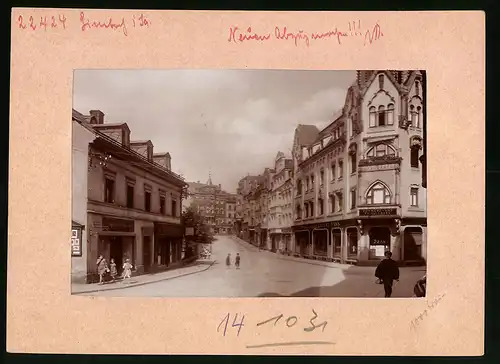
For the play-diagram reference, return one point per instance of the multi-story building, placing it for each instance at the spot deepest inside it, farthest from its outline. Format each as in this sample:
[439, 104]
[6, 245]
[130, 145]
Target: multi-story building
[280, 206]
[246, 207]
[133, 200]
[358, 186]
[214, 205]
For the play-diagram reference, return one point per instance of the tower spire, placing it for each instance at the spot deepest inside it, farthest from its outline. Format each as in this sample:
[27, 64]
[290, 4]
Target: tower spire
[209, 182]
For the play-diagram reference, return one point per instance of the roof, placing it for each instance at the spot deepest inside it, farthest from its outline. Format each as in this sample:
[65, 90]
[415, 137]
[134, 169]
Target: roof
[306, 134]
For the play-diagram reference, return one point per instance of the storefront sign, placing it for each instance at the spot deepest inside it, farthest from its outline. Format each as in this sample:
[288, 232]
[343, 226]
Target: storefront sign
[335, 223]
[110, 224]
[76, 243]
[169, 230]
[377, 212]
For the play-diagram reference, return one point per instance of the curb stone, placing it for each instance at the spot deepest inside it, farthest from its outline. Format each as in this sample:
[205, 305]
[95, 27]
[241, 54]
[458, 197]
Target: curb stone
[143, 283]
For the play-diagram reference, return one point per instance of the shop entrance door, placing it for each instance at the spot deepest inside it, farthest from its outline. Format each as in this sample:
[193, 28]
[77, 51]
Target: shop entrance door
[116, 252]
[380, 242]
[412, 243]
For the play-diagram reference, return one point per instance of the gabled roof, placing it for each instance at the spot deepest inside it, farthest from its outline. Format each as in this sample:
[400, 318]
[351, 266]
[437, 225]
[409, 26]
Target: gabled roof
[374, 75]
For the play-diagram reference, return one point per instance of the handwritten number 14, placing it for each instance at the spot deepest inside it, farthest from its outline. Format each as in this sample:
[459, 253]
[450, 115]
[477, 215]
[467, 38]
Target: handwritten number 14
[225, 323]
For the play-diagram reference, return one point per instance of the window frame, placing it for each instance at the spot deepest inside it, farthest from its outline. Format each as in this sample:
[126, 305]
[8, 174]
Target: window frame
[370, 196]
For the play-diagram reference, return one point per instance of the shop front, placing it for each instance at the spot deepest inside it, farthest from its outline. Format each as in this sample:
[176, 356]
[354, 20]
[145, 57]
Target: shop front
[320, 242]
[287, 240]
[112, 238]
[302, 241]
[336, 243]
[167, 245]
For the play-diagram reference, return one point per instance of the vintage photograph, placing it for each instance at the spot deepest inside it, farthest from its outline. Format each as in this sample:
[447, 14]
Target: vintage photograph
[249, 183]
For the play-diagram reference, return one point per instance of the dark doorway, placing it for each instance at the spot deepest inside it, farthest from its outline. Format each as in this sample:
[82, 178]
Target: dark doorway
[413, 243]
[380, 242]
[146, 257]
[116, 251]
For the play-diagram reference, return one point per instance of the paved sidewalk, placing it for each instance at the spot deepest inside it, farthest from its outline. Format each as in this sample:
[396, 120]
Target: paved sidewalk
[299, 260]
[197, 267]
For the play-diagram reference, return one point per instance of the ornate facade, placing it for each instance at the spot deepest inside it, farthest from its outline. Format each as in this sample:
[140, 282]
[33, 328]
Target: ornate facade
[358, 182]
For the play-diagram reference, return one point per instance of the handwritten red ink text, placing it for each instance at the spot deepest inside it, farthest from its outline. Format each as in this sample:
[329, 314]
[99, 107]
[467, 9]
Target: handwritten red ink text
[142, 21]
[375, 34]
[46, 22]
[284, 35]
[109, 24]
[236, 35]
[329, 34]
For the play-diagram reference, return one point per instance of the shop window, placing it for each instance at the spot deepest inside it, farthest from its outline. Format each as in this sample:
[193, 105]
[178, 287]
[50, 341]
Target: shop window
[379, 242]
[414, 155]
[414, 196]
[337, 242]
[381, 150]
[378, 194]
[352, 242]
[109, 190]
[130, 196]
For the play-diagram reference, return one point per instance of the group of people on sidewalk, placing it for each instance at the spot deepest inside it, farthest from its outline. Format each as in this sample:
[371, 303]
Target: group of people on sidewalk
[236, 260]
[103, 269]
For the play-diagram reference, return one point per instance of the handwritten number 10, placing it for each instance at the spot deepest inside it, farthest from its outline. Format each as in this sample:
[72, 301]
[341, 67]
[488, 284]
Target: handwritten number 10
[225, 322]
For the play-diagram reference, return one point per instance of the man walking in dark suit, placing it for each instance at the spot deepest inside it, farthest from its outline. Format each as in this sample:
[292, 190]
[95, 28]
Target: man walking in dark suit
[387, 271]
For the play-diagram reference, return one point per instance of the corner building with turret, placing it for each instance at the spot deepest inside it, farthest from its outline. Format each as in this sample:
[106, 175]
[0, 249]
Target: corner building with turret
[358, 182]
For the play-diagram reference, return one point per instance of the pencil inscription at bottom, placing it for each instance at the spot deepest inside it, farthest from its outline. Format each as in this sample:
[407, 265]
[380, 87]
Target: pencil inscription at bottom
[291, 343]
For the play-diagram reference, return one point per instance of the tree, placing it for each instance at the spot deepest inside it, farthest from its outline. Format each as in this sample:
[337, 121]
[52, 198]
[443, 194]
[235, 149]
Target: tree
[192, 219]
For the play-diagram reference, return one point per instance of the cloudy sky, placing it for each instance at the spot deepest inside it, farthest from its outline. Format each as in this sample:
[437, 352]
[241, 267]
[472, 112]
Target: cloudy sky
[231, 122]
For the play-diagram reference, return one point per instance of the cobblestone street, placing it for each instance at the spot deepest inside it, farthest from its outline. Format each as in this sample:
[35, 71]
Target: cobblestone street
[265, 274]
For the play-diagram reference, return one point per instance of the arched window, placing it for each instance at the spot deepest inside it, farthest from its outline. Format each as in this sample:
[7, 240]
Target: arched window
[419, 116]
[378, 194]
[381, 115]
[373, 116]
[390, 114]
[381, 150]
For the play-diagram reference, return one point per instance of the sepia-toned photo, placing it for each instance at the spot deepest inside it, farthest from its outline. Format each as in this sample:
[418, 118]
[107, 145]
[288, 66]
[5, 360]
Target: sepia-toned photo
[249, 183]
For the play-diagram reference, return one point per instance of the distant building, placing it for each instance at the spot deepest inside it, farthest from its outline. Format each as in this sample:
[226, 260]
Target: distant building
[216, 206]
[358, 182]
[280, 206]
[133, 205]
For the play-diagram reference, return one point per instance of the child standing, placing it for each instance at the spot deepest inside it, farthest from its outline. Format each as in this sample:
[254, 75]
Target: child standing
[127, 269]
[114, 271]
[237, 261]
[228, 260]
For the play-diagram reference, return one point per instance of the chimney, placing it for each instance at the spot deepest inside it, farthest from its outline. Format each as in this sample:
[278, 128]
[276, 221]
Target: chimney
[96, 117]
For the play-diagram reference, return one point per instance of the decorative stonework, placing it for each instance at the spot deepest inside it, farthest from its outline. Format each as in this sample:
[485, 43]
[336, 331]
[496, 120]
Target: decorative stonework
[379, 92]
[374, 161]
[404, 123]
[353, 148]
[416, 142]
